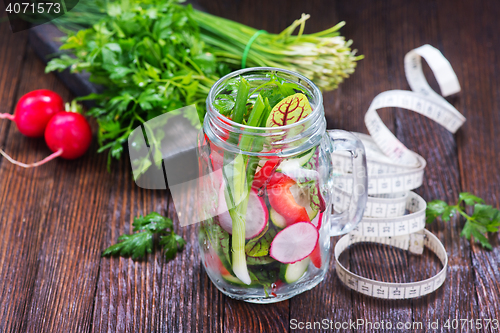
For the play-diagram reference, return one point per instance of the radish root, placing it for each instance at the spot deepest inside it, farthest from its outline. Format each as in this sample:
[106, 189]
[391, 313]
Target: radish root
[7, 116]
[32, 165]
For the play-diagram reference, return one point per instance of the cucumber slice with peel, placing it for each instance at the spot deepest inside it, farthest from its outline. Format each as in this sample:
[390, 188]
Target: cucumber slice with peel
[299, 161]
[278, 220]
[292, 272]
[233, 279]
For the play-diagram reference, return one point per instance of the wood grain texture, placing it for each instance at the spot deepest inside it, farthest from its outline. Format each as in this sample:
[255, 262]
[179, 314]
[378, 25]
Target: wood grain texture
[68, 225]
[441, 175]
[127, 291]
[479, 143]
[25, 197]
[55, 220]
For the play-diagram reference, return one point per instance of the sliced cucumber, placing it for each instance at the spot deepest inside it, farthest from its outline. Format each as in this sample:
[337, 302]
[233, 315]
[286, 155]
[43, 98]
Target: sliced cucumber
[292, 272]
[311, 212]
[232, 279]
[278, 220]
[300, 160]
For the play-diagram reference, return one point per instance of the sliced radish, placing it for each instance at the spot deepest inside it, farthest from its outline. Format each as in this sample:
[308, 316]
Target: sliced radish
[256, 217]
[316, 256]
[216, 156]
[265, 173]
[318, 220]
[281, 199]
[302, 196]
[294, 243]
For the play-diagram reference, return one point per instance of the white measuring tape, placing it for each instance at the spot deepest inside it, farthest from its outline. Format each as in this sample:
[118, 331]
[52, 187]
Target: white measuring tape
[394, 215]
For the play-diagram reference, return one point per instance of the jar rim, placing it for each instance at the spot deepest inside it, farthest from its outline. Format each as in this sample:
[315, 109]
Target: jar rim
[317, 97]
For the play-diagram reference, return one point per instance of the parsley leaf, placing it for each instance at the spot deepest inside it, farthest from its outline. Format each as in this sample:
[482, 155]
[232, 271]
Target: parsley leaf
[484, 219]
[137, 244]
[134, 245]
[434, 209]
[470, 199]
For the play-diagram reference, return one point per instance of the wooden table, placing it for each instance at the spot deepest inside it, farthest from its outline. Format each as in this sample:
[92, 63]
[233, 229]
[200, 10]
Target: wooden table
[55, 220]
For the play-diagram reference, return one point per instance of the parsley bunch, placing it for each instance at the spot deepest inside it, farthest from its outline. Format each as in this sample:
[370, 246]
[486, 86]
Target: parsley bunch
[136, 245]
[484, 219]
[149, 59]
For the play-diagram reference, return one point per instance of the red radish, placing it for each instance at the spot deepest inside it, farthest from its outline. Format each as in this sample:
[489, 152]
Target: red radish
[302, 196]
[213, 263]
[256, 217]
[215, 266]
[34, 110]
[216, 156]
[263, 176]
[315, 256]
[67, 134]
[277, 284]
[282, 200]
[294, 243]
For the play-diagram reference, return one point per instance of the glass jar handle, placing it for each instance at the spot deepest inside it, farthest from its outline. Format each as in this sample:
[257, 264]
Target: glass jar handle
[357, 181]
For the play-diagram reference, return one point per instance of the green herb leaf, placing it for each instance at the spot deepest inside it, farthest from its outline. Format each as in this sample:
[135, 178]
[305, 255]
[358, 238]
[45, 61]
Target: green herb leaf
[264, 277]
[484, 213]
[484, 219]
[221, 244]
[259, 246]
[252, 261]
[153, 222]
[448, 212]
[136, 245]
[289, 110]
[224, 104]
[469, 198]
[479, 237]
[172, 244]
[435, 209]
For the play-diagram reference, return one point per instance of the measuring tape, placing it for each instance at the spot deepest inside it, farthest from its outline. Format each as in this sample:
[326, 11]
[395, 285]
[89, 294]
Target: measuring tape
[394, 215]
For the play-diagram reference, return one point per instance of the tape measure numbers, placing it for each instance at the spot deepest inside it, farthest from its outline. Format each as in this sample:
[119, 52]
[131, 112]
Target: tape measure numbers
[394, 215]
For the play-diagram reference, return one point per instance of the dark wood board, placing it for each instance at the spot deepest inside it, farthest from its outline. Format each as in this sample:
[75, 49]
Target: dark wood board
[56, 220]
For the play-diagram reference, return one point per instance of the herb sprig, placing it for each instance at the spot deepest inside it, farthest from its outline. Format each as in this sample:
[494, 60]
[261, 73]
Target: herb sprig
[484, 218]
[137, 244]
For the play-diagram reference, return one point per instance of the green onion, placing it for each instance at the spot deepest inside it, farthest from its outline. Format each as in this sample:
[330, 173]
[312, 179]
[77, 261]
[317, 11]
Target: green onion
[324, 57]
[241, 101]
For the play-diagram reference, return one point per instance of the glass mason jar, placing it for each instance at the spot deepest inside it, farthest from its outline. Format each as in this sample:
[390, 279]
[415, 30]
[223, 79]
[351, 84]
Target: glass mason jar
[252, 222]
